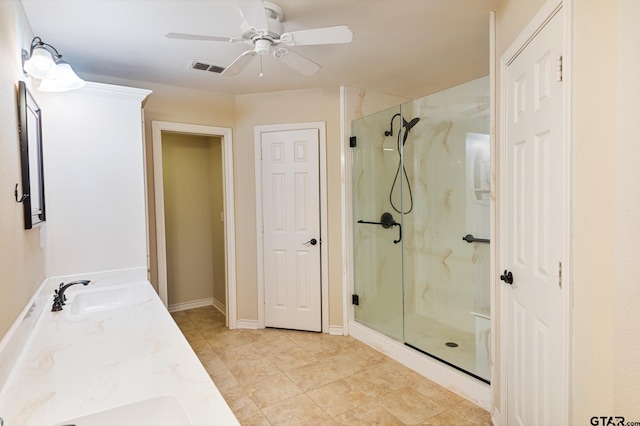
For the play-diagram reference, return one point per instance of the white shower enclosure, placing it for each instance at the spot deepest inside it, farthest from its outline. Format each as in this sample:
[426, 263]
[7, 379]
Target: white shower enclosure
[421, 187]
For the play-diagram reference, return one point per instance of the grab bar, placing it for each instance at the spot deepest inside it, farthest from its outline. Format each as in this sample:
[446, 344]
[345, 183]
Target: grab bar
[471, 239]
[387, 225]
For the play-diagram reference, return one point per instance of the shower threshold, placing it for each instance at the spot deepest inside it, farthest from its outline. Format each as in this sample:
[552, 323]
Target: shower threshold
[448, 363]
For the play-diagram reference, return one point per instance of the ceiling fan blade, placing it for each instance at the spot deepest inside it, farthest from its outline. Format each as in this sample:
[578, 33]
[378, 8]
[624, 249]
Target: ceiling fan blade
[326, 35]
[238, 64]
[298, 62]
[181, 36]
[254, 13]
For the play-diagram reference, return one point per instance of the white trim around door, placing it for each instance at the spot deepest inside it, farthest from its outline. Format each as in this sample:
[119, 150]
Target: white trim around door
[229, 211]
[324, 267]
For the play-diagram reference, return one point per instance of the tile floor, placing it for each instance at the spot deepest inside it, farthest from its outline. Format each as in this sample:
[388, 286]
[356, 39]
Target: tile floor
[272, 377]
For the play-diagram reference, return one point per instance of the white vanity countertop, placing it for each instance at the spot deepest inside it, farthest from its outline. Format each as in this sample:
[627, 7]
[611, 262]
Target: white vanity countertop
[74, 365]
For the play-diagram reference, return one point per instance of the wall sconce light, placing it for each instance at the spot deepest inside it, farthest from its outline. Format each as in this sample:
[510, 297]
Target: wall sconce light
[44, 62]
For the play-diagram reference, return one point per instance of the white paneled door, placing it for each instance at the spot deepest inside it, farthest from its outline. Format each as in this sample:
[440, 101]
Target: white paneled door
[532, 238]
[291, 240]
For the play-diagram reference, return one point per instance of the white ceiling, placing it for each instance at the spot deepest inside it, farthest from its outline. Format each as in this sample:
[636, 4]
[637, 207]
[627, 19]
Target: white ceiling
[407, 48]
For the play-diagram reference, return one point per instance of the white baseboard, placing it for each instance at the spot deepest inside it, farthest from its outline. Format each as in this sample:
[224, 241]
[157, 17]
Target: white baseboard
[460, 383]
[191, 305]
[219, 306]
[496, 418]
[247, 324]
[336, 330]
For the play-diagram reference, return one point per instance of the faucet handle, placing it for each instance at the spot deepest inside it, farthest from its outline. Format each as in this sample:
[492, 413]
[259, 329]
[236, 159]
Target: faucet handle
[57, 304]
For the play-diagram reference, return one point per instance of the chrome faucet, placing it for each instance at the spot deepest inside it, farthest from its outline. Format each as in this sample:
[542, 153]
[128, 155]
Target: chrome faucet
[59, 298]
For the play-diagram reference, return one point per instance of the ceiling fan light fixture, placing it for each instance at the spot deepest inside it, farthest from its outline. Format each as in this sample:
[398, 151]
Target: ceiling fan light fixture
[263, 47]
[262, 29]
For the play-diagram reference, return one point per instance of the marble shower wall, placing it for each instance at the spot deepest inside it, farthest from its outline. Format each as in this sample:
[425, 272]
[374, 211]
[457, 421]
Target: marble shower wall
[445, 278]
[447, 161]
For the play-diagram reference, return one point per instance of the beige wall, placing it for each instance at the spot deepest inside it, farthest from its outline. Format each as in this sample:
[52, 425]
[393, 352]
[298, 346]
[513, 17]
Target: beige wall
[594, 180]
[21, 258]
[217, 228]
[626, 280]
[192, 197]
[277, 108]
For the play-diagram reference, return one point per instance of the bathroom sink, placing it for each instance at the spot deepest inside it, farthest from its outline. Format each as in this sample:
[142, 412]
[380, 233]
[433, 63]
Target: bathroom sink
[163, 410]
[108, 298]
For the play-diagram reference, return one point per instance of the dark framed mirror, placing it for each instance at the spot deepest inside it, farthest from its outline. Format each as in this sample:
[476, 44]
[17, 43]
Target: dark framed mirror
[30, 129]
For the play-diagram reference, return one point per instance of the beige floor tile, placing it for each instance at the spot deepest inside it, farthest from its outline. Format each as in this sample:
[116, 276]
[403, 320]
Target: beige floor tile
[367, 415]
[251, 369]
[313, 376]
[254, 418]
[219, 372]
[439, 395]
[338, 397]
[475, 415]
[200, 346]
[287, 358]
[324, 345]
[410, 406]
[271, 390]
[225, 339]
[299, 410]
[240, 402]
[263, 375]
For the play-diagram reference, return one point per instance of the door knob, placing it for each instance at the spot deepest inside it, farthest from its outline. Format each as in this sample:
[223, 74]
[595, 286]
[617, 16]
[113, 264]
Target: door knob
[507, 277]
[312, 241]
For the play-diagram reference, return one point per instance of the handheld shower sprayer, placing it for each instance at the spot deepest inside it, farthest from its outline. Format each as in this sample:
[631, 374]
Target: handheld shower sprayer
[390, 131]
[408, 125]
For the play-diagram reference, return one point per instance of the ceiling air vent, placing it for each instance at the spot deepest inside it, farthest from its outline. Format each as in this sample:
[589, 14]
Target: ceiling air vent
[203, 66]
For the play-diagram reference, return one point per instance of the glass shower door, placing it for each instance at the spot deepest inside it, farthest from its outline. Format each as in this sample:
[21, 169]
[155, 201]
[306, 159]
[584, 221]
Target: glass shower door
[421, 187]
[446, 248]
[377, 227]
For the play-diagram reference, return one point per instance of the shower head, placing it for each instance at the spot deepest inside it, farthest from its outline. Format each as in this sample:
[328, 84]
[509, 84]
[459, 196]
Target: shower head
[409, 125]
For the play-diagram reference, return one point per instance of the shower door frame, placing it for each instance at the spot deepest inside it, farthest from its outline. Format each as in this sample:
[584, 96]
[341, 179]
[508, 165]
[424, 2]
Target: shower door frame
[437, 371]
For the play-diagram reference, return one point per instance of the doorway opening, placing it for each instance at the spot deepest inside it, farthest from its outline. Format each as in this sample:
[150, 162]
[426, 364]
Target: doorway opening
[195, 230]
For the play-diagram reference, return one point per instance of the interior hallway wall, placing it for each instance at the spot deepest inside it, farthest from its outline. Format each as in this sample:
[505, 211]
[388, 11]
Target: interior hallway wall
[626, 282]
[21, 257]
[293, 106]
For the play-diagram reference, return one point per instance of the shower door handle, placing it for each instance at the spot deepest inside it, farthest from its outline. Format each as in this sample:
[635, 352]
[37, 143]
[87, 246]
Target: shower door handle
[399, 232]
[471, 239]
[387, 225]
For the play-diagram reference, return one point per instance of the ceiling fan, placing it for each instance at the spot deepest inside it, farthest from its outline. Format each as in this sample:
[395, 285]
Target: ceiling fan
[262, 29]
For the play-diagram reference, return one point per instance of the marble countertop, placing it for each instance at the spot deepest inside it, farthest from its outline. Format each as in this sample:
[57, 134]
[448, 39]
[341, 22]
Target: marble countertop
[80, 363]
